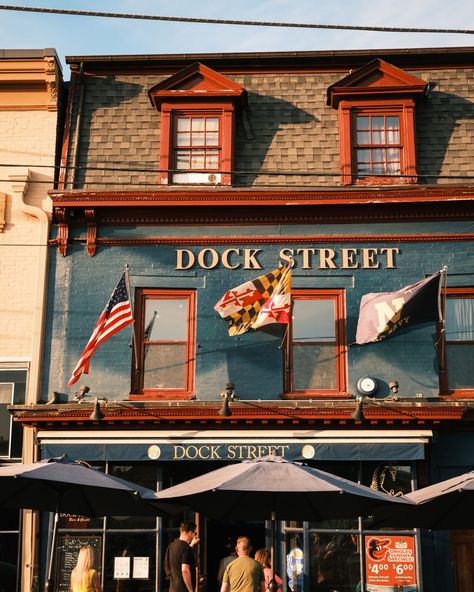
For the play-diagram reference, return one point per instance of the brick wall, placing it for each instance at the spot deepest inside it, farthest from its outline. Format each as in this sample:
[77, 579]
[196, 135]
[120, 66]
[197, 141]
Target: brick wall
[26, 138]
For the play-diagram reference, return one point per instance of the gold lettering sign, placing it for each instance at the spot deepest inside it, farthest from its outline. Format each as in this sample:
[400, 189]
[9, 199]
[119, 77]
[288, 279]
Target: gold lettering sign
[304, 258]
[229, 452]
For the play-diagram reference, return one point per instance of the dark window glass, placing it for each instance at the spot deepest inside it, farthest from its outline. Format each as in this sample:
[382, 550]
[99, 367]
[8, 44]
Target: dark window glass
[166, 337]
[140, 549]
[12, 391]
[460, 342]
[377, 145]
[315, 355]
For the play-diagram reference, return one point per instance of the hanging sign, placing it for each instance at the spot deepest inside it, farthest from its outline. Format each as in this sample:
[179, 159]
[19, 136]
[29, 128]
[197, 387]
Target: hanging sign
[390, 563]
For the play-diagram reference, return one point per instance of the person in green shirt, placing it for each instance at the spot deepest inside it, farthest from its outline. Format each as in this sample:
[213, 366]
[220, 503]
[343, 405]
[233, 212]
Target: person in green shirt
[244, 574]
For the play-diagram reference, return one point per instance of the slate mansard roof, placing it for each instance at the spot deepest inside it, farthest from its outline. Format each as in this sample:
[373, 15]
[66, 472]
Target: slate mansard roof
[287, 127]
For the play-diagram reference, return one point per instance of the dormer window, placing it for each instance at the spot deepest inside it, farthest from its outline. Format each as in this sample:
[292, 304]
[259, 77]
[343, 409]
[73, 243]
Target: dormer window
[198, 108]
[197, 148]
[376, 106]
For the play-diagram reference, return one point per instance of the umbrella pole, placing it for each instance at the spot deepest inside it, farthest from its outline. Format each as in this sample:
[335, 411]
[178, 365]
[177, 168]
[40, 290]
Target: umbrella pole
[49, 586]
[272, 585]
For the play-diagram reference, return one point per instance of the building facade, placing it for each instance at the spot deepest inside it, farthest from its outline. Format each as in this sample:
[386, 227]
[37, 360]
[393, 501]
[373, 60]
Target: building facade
[203, 172]
[30, 85]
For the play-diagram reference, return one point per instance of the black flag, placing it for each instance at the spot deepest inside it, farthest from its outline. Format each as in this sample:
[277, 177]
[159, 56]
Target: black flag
[383, 313]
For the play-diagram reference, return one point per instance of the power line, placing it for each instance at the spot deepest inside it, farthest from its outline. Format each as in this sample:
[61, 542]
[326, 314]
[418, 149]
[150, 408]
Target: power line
[238, 172]
[242, 23]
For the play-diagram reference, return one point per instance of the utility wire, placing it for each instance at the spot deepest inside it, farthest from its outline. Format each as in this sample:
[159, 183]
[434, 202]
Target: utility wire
[237, 172]
[209, 21]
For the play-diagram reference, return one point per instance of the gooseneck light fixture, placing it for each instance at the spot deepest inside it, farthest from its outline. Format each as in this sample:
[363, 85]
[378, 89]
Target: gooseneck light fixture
[227, 396]
[96, 414]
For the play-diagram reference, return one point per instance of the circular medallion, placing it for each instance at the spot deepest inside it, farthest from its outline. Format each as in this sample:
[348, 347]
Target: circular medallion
[154, 452]
[308, 451]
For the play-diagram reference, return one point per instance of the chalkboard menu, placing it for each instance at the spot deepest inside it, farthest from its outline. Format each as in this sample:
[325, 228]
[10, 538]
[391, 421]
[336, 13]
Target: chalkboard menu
[67, 550]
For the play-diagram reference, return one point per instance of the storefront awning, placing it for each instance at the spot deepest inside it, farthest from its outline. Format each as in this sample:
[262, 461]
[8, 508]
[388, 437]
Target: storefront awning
[236, 445]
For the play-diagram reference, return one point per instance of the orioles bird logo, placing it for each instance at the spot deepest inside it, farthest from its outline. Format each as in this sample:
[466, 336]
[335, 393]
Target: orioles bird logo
[378, 548]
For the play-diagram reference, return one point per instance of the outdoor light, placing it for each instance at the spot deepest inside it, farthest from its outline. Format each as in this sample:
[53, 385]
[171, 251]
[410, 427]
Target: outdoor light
[227, 396]
[82, 393]
[393, 386]
[97, 414]
[358, 413]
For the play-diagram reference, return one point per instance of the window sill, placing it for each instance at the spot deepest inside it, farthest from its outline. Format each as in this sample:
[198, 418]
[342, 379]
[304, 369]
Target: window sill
[306, 395]
[161, 396]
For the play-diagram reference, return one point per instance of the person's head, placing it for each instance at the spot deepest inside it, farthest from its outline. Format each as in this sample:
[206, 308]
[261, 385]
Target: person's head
[80, 573]
[263, 556]
[187, 531]
[243, 546]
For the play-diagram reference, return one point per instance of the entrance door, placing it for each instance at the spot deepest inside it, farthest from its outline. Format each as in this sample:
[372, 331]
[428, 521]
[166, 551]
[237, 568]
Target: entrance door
[219, 541]
[463, 559]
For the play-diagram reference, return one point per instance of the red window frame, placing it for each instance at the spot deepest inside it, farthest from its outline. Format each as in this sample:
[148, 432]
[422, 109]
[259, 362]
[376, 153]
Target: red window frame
[444, 368]
[404, 110]
[340, 348]
[192, 146]
[371, 146]
[169, 115]
[173, 393]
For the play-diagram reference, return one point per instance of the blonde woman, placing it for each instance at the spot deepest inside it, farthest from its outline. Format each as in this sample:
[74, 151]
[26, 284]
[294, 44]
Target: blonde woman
[83, 577]
[263, 556]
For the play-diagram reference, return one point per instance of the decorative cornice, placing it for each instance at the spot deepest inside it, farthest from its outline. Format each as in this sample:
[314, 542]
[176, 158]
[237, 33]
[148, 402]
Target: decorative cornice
[258, 240]
[219, 196]
[243, 414]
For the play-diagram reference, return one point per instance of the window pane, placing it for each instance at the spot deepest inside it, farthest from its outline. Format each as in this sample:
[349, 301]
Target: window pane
[393, 154]
[197, 139]
[184, 124]
[182, 139]
[378, 137]
[363, 156]
[198, 124]
[12, 390]
[392, 122]
[393, 137]
[393, 168]
[378, 155]
[130, 545]
[335, 561]
[197, 159]
[378, 123]
[460, 319]
[212, 139]
[363, 169]
[362, 123]
[314, 367]
[363, 138]
[9, 561]
[212, 124]
[313, 320]
[182, 159]
[212, 159]
[165, 366]
[460, 367]
[166, 320]
[143, 474]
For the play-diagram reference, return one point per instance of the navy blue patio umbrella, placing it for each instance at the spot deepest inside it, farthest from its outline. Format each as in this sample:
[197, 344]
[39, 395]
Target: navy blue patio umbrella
[61, 485]
[273, 488]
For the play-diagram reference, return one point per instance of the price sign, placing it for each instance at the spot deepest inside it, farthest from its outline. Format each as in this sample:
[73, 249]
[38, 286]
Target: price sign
[390, 563]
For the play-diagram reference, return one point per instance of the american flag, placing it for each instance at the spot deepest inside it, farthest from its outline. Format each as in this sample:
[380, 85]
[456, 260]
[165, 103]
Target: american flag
[116, 316]
[259, 302]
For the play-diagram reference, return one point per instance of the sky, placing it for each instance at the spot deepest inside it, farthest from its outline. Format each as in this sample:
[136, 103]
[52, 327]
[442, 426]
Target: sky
[80, 35]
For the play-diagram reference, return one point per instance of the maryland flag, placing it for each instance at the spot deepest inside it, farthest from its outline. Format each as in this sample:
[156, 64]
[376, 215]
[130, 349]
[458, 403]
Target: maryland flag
[383, 313]
[259, 302]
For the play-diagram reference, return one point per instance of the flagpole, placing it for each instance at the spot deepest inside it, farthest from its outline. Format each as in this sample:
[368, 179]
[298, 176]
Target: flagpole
[134, 337]
[441, 308]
